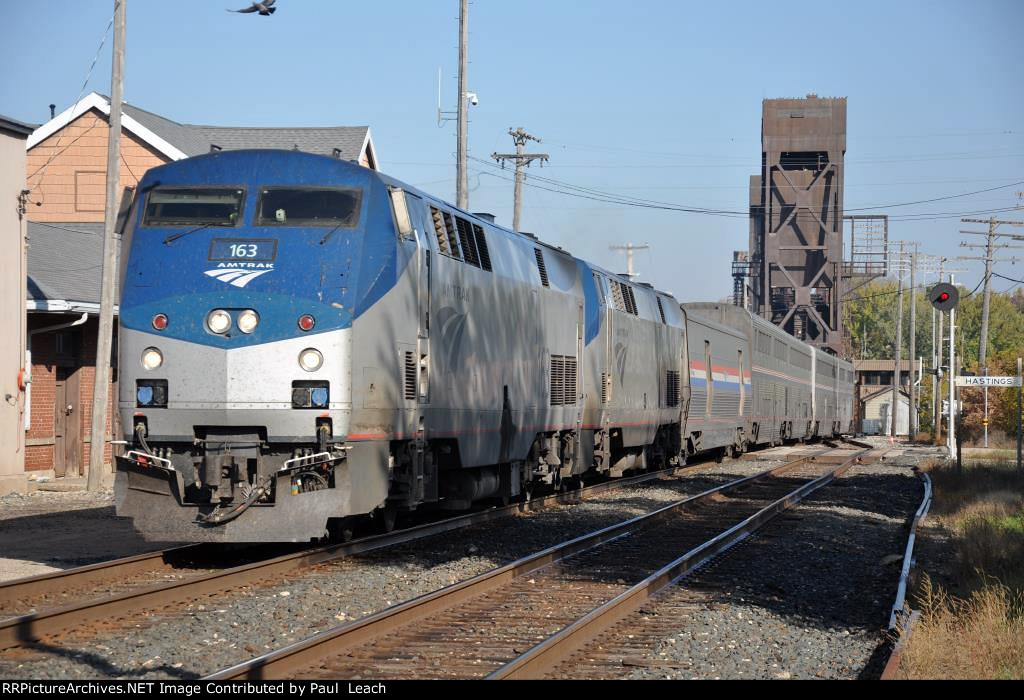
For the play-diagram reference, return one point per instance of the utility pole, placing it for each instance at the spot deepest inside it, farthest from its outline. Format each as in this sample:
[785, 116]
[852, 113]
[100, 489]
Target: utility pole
[951, 431]
[1020, 412]
[522, 160]
[462, 144]
[913, 343]
[104, 341]
[985, 304]
[629, 248]
[990, 245]
[894, 406]
[935, 377]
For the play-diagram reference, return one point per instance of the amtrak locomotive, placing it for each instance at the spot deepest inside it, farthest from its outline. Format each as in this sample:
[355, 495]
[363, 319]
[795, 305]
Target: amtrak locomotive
[304, 341]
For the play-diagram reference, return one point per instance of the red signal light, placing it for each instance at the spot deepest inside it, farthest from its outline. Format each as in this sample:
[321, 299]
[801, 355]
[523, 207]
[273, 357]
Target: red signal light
[944, 296]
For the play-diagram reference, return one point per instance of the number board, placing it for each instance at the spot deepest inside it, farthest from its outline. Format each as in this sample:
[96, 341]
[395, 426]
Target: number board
[248, 249]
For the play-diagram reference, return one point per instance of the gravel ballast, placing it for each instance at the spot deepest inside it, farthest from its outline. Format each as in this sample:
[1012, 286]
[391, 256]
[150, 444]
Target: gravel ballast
[196, 639]
[808, 596]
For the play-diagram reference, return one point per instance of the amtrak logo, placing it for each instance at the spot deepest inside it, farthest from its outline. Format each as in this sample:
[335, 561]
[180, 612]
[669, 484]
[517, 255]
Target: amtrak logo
[239, 274]
[453, 326]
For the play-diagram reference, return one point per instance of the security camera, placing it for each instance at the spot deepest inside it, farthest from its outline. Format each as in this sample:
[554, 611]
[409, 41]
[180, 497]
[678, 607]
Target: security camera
[473, 99]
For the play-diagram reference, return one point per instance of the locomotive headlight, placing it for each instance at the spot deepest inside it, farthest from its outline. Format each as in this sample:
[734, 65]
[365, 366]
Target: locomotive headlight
[152, 358]
[310, 360]
[218, 321]
[248, 320]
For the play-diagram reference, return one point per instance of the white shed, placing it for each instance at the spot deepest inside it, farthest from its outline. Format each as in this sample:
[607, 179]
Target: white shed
[877, 411]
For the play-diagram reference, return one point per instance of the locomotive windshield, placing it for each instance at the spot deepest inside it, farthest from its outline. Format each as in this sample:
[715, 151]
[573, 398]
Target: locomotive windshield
[290, 206]
[181, 206]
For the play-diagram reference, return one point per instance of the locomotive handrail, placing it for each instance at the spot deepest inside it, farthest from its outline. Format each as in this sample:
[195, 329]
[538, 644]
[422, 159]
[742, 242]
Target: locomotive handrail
[128, 455]
[310, 459]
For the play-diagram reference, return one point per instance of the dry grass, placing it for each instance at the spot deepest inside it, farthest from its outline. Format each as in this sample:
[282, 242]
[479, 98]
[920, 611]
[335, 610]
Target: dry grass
[981, 633]
[979, 638]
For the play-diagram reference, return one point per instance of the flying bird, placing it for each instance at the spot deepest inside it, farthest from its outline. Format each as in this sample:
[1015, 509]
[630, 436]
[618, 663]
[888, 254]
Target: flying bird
[265, 8]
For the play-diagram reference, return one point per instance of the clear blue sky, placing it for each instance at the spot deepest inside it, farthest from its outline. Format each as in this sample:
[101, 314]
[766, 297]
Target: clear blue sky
[653, 99]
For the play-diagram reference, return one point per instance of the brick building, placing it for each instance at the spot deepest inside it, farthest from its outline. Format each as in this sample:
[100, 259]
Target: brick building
[65, 174]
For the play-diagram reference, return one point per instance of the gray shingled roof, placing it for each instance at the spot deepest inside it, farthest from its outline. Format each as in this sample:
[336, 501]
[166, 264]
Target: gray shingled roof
[196, 139]
[16, 126]
[65, 261]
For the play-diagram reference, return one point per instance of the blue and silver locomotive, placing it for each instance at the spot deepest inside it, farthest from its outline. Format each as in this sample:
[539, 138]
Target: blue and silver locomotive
[304, 341]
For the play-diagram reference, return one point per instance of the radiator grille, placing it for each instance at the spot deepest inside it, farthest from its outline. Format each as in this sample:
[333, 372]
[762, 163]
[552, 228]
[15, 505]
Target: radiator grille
[453, 235]
[672, 388]
[410, 376]
[563, 380]
[541, 267]
[481, 247]
[440, 231]
[468, 244]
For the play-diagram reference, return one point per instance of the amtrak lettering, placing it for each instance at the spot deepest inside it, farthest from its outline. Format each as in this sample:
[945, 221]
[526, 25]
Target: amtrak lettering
[239, 274]
[456, 292]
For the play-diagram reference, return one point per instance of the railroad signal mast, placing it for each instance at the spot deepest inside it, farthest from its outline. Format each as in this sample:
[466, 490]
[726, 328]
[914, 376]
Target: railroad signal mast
[945, 297]
[936, 265]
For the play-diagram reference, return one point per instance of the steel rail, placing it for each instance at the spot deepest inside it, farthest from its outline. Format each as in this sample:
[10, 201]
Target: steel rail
[56, 582]
[545, 656]
[902, 618]
[300, 655]
[24, 629]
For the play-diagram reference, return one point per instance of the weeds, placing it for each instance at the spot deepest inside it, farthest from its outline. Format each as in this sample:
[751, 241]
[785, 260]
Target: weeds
[981, 637]
[979, 634]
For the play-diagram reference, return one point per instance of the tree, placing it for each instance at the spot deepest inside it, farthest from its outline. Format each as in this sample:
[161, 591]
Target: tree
[870, 317]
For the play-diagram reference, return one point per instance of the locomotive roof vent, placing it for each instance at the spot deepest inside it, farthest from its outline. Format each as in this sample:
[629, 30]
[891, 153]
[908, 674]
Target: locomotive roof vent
[485, 216]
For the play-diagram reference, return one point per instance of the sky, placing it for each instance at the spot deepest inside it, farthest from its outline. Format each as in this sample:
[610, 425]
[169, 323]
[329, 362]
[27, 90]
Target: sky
[659, 100]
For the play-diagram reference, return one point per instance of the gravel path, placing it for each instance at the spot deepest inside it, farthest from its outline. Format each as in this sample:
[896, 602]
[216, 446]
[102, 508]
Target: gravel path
[46, 531]
[238, 624]
[806, 597]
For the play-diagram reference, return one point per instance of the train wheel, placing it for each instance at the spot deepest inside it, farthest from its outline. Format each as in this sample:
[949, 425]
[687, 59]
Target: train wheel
[525, 496]
[341, 529]
[385, 518]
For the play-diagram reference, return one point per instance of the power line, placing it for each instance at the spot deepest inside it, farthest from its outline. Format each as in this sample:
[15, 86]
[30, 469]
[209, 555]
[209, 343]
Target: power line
[936, 199]
[1008, 279]
[565, 188]
[81, 93]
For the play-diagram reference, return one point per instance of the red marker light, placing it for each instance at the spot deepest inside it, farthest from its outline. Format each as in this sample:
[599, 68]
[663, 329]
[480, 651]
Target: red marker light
[160, 322]
[306, 322]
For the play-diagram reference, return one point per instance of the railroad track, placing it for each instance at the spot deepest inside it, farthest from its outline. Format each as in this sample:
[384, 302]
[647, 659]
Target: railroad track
[122, 588]
[523, 619]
